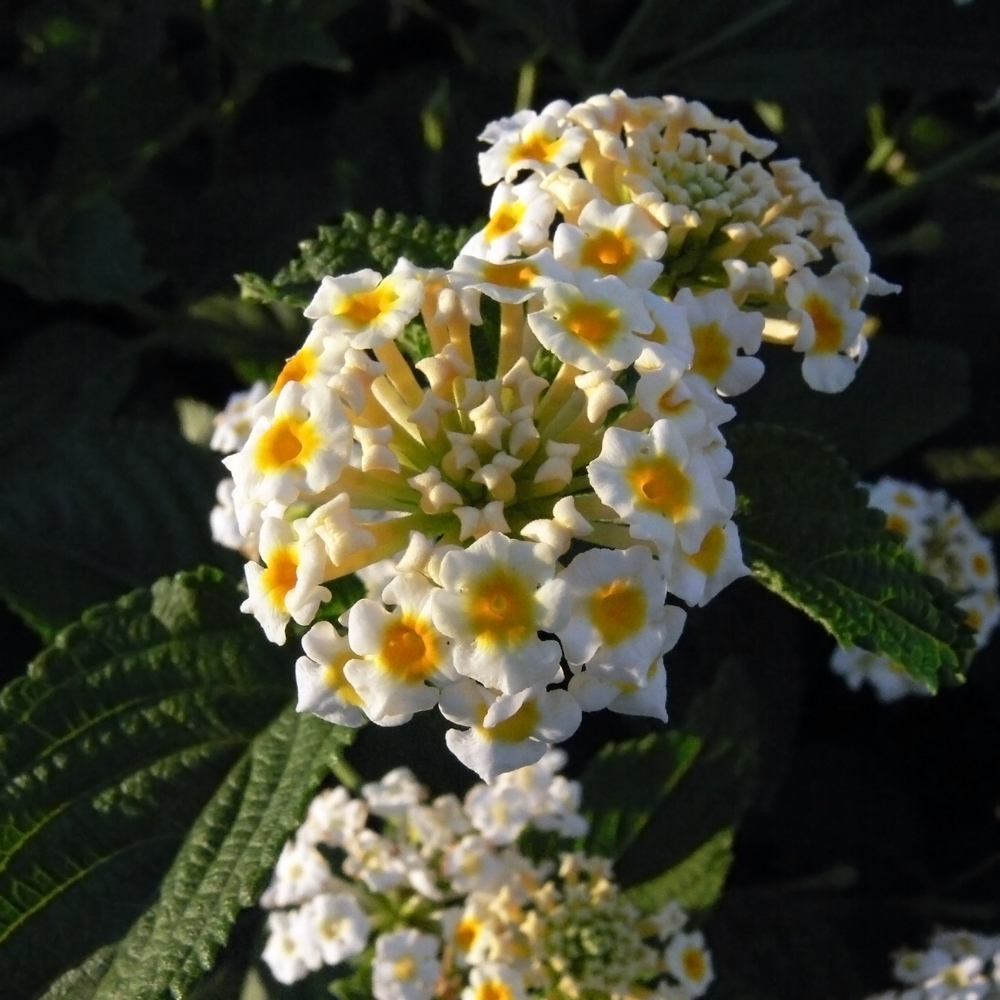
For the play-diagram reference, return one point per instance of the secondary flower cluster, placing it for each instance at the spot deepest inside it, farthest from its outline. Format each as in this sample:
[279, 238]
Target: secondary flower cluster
[438, 901]
[957, 965]
[947, 545]
[533, 435]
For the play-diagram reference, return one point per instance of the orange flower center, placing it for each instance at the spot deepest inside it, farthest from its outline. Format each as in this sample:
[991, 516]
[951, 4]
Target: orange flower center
[659, 484]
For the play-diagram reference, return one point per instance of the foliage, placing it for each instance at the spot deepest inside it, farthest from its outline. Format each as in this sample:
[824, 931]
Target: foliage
[151, 766]
[809, 536]
[112, 743]
[357, 242]
[225, 862]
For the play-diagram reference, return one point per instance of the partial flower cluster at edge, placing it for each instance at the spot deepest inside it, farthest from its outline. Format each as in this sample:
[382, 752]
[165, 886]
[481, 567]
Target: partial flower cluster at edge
[947, 545]
[956, 965]
[434, 899]
[533, 437]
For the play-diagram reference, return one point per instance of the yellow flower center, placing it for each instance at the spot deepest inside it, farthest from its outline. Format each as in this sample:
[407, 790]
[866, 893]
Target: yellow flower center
[980, 564]
[708, 557]
[536, 148]
[409, 650]
[593, 323]
[466, 932]
[828, 325]
[501, 610]
[694, 964]
[713, 352]
[493, 990]
[511, 274]
[362, 308]
[507, 217]
[617, 611]
[518, 727]
[404, 968]
[280, 575]
[297, 369]
[334, 679]
[673, 403]
[286, 441]
[904, 499]
[660, 485]
[607, 251]
[897, 523]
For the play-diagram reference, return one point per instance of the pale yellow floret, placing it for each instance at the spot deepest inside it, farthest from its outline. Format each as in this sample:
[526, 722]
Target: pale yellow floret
[410, 649]
[618, 611]
[501, 609]
[660, 485]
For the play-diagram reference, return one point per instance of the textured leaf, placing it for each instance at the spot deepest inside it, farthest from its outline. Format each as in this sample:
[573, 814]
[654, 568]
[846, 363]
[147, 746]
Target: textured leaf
[808, 535]
[82, 982]
[110, 746]
[657, 803]
[696, 882]
[225, 862]
[358, 242]
[93, 510]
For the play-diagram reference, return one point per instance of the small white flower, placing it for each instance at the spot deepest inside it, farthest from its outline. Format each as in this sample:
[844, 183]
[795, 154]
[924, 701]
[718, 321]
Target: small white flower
[506, 731]
[369, 309]
[496, 595]
[688, 960]
[232, 426]
[592, 324]
[520, 216]
[720, 333]
[288, 585]
[406, 966]
[829, 329]
[291, 951]
[319, 675]
[339, 924]
[394, 794]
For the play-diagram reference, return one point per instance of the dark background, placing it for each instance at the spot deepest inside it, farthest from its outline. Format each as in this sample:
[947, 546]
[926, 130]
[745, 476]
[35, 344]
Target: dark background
[151, 150]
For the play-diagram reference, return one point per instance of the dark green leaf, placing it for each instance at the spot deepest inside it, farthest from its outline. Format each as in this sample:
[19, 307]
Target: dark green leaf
[808, 535]
[93, 510]
[82, 982]
[696, 882]
[110, 746]
[358, 242]
[226, 860]
[92, 257]
[57, 375]
[905, 391]
[662, 807]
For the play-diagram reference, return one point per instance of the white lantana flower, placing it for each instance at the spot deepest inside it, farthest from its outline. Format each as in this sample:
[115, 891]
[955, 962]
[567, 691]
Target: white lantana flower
[406, 966]
[403, 658]
[323, 689]
[288, 585]
[340, 926]
[556, 395]
[829, 329]
[496, 596]
[506, 731]
[369, 309]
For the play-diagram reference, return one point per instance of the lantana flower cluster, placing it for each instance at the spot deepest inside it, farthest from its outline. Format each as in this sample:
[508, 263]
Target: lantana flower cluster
[947, 545]
[434, 899]
[956, 965]
[546, 465]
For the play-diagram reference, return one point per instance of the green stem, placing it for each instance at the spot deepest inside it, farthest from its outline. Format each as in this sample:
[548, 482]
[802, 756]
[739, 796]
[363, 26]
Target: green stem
[878, 208]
